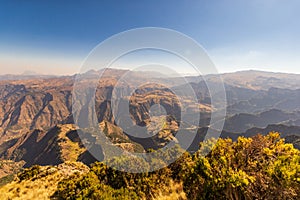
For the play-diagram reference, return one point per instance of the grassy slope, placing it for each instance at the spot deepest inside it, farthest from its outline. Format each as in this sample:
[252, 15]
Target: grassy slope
[43, 185]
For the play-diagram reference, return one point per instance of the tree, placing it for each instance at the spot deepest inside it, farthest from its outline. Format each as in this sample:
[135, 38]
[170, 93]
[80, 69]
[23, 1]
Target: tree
[262, 167]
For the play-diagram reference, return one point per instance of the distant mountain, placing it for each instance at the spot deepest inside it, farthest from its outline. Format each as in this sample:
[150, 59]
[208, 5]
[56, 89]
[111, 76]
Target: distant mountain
[273, 98]
[30, 73]
[260, 80]
[290, 133]
[36, 122]
[243, 121]
[25, 76]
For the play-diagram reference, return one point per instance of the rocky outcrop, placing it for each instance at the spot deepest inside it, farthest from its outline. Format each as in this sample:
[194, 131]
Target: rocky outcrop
[36, 114]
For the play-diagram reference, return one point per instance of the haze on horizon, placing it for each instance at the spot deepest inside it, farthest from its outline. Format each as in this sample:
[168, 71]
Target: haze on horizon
[56, 37]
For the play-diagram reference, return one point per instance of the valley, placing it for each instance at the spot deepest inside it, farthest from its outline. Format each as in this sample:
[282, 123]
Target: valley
[37, 124]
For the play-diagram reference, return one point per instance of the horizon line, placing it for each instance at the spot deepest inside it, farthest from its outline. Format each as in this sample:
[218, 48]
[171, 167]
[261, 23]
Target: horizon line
[33, 73]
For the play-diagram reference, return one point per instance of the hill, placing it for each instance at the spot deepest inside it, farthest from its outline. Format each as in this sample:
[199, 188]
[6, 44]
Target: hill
[36, 122]
[250, 168]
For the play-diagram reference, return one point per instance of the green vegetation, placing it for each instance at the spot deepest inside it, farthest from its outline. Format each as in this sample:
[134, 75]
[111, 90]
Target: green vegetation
[88, 186]
[8, 170]
[69, 150]
[28, 174]
[262, 167]
[6, 179]
[40, 182]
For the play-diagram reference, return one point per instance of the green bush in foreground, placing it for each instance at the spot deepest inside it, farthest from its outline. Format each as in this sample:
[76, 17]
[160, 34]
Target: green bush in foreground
[262, 167]
[27, 174]
[88, 186]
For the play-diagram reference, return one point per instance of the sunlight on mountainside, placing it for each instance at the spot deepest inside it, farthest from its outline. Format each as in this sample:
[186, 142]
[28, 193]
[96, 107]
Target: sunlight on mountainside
[246, 169]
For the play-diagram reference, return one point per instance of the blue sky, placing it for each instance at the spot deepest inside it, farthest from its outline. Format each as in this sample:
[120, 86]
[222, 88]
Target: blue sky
[55, 36]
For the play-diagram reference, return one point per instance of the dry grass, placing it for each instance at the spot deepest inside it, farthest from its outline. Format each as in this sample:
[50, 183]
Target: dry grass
[8, 167]
[69, 150]
[43, 186]
[173, 192]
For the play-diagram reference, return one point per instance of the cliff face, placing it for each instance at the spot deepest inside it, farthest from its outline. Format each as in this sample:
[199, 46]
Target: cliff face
[33, 104]
[36, 122]
[36, 116]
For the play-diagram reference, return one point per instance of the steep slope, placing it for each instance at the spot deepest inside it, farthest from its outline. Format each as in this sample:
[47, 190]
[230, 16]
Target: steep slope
[43, 183]
[45, 148]
[274, 98]
[33, 104]
[243, 121]
[36, 114]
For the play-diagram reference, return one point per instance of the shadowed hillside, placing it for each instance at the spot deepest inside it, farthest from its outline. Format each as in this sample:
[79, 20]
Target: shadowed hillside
[36, 114]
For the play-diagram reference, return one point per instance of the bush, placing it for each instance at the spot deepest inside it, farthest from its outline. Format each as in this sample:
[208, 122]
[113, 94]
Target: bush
[88, 186]
[262, 167]
[29, 173]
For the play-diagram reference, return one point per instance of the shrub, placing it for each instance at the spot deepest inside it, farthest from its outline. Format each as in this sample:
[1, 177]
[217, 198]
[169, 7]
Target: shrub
[88, 186]
[262, 167]
[29, 173]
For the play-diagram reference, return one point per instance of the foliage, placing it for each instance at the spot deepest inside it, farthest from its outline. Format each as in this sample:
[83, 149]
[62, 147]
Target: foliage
[143, 184]
[30, 173]
[88, 186]
[6, 179]
[261, 167]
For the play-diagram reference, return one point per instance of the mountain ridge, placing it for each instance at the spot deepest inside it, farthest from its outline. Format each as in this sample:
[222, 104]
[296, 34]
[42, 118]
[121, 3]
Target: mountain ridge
[31, 108]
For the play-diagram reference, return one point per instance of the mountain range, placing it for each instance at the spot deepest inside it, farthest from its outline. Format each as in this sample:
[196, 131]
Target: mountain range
[37, 125]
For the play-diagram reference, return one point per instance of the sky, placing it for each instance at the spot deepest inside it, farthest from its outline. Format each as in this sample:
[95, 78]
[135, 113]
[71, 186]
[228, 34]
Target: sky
[55, 37]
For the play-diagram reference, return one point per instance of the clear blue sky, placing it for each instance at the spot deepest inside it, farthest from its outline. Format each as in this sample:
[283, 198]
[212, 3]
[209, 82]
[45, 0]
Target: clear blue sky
[55, 36]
